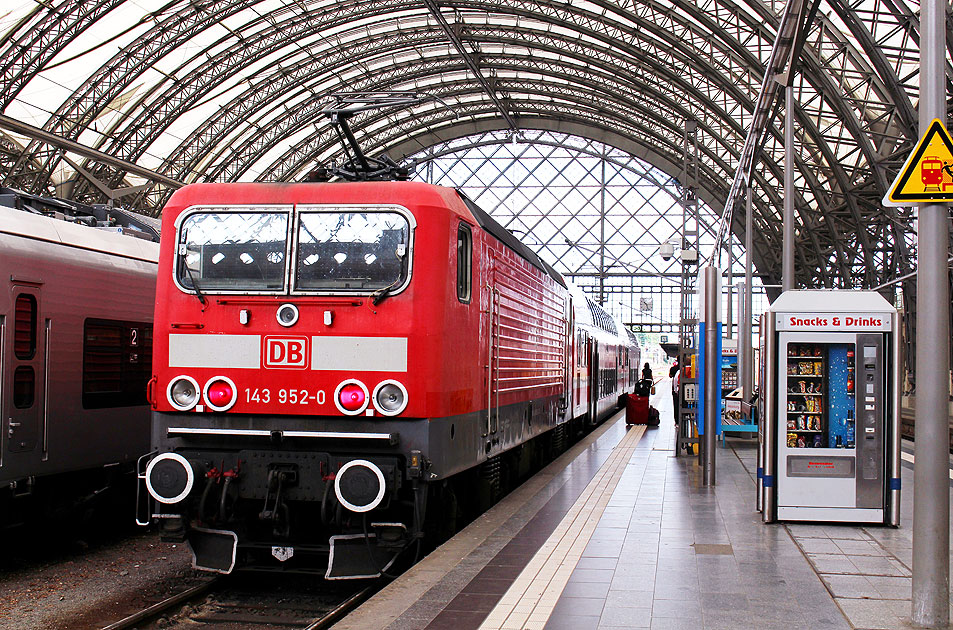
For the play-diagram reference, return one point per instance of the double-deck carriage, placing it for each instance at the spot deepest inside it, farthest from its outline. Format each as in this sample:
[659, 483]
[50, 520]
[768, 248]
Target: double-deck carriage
[75, 350]
[338, 353]
[606, 364]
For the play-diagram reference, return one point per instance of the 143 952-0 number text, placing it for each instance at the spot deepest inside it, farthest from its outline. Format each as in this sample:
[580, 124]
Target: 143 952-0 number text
[284, 396]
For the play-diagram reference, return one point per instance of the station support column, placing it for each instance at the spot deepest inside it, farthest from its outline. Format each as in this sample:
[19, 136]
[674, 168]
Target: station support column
[787, 243]
[712, 367]
[931, 501]
[747, 374]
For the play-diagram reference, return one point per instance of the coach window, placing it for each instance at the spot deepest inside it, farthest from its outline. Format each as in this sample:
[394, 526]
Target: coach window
[464, 263]
[24, 382]
[117, 360]
[24, 334]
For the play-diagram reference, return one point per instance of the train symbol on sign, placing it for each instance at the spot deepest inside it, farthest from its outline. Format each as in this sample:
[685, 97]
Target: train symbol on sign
[285, 352]
[931, 173]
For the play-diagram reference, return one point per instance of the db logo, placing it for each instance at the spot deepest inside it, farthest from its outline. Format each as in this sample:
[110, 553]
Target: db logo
[286, 352]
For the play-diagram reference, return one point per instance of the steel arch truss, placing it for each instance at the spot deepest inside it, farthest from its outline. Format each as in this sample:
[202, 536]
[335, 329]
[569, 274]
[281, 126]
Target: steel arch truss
[231, 90]
[595, 212]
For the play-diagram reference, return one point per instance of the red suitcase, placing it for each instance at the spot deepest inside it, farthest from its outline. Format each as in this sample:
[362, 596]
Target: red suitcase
[636, 409]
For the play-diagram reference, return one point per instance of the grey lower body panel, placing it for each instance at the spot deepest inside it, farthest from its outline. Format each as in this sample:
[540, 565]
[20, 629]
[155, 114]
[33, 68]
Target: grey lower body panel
[268, 483]
[451, 444]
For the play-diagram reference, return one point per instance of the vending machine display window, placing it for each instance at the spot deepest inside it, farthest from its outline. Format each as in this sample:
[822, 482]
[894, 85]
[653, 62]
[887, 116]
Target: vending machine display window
[729, 372]
[820, 395]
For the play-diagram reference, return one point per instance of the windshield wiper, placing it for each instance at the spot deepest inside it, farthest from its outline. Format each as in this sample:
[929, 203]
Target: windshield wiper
[381, 294]
[188, 270]
[195, 286]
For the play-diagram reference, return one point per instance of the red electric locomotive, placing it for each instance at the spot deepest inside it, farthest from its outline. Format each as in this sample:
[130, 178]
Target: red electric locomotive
[328, 356]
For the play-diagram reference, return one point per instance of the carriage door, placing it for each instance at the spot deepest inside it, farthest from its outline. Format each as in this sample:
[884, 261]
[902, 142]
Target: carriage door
[492, 363]
[494, 408]
[24, 365]
[594, 381]
[568, 359]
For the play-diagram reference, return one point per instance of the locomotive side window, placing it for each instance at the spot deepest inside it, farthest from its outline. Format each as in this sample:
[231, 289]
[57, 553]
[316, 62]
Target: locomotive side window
[24, 327]
[352, 251]
[233, 251]
[24, 384]
[464, 263]
[117, 362]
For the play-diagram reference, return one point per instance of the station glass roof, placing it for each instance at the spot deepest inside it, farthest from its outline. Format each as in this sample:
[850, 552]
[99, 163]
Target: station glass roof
[231, 90]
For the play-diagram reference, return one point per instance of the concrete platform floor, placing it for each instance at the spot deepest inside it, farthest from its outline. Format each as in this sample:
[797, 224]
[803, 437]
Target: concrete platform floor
[620, 533]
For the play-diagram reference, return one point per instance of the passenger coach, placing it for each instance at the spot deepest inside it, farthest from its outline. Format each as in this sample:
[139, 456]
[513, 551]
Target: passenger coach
[75, 355]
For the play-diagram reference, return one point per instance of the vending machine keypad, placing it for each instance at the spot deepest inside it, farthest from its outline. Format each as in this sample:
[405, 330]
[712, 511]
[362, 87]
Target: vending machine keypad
[870, 449]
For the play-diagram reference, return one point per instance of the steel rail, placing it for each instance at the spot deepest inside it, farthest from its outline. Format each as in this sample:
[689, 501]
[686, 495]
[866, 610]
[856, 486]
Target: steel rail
[160, 607]
[340, 610]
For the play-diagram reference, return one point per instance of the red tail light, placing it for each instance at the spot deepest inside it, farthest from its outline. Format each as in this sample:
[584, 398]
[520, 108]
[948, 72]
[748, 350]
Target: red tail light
[351, 397]
[220, 393]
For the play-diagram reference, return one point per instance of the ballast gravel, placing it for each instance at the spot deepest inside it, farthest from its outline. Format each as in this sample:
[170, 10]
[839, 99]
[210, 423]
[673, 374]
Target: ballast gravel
[78, 586]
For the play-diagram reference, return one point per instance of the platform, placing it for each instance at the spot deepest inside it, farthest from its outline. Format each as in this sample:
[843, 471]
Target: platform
[619, 533]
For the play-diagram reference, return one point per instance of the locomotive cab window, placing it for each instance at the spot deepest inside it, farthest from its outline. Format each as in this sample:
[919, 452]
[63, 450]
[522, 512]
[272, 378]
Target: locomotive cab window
[224, 250]
[464, 263]
[352, 250]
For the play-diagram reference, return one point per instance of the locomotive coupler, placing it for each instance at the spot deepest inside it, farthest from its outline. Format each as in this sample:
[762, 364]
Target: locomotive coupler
[278, 476]
[171, 528]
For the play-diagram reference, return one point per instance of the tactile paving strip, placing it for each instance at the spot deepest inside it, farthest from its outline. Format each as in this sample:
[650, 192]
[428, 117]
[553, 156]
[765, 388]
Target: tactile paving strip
[529, 602]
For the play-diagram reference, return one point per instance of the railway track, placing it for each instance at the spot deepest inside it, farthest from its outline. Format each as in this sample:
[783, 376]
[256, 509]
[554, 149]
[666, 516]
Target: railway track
[907, 427]
[248, 602]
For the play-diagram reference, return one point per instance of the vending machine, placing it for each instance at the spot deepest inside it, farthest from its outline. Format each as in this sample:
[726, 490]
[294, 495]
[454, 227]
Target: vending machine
[831, 437]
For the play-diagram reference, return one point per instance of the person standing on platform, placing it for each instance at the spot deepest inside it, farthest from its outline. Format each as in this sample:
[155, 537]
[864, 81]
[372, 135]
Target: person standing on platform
[673, 373]
[646, 372]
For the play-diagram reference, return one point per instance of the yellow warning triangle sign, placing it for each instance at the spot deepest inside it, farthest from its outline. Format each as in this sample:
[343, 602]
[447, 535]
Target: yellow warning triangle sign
[927, 175]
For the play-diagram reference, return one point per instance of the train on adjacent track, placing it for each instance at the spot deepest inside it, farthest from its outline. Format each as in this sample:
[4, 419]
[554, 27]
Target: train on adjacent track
[75, 351]
[343, 368]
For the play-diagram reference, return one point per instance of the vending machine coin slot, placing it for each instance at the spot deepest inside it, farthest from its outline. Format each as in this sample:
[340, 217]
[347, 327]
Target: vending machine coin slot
[870, 448]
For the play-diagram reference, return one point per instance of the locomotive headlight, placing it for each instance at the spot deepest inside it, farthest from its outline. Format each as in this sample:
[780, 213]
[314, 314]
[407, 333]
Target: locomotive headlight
[183, 392]
[390, 397]
[220, 393]
[287, 315]
[169, 478]
[351, 397]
